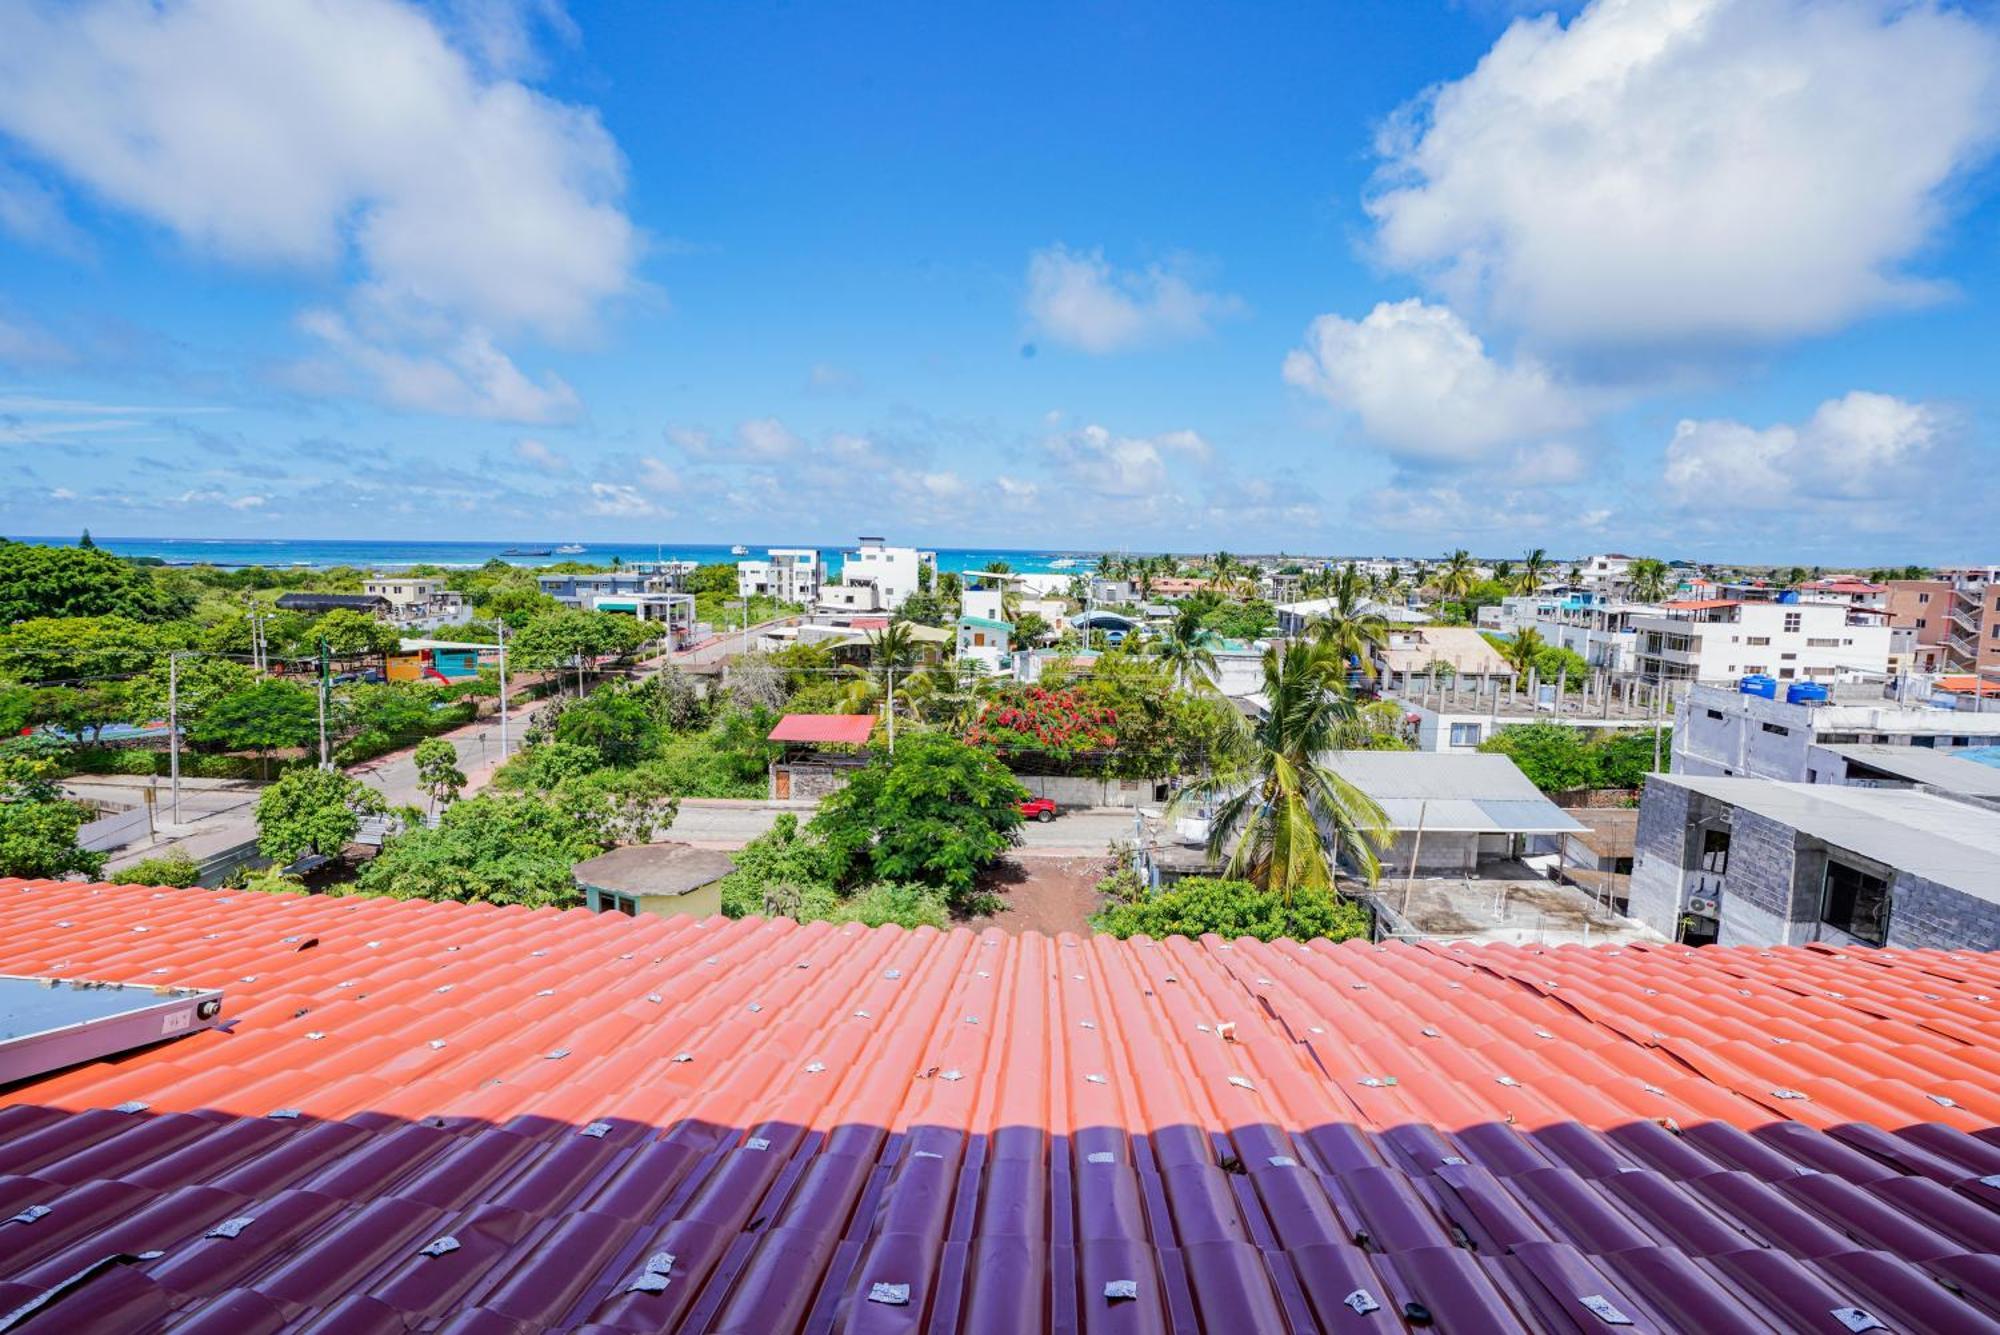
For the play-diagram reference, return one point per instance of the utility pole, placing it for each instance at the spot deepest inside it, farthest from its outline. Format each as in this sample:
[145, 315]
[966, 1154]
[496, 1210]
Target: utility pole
[501, 626]
[325, 671]
[174, 729]
[892, 707]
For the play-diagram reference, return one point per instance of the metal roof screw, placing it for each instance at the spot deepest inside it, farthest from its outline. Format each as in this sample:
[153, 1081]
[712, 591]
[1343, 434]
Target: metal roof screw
[374, 945]
[756, 1006]
[596, 1130]
[1087, 1024]
[29, 1215]
[1543, 1033]
[1121, 1290]
[626, 956]
[757, 1143]
[1241, 1082]
[972, 1019]
[1315, 1029]
[284, 1114]
[1170, 979]
[893, 1295]
[1430, 1032]
[1455, 1160]
[863, 1015]
[1371, 1082]
[1941, 1100]
[1654, 1089]
[1359, 987]
[445, 988]
[1077, 976]
[444, 1246]
[131, 1106]
[1362, 1301]
[1856, 1320]
[653, 997]
[683, 1056]
[315, 1035]
[1266, 982]
[1283, 1161]
[892, 974]
[953, 1074]
[142, 929]
[1095, 1079]
[814, 1068]
[546, 992]
[926, 1154]
[1203, 1029]
[710, 961]
[229, 1228]
[1101, 1156]
[1606, 1310]
[558, 1054]
[1510, 1082]
[437, 1043]
[802, 964]
[537, 954]
[1786, 1094]
[982, 973]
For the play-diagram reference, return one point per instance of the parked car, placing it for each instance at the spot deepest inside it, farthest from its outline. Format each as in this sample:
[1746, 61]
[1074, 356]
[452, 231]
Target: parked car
[1039, 808]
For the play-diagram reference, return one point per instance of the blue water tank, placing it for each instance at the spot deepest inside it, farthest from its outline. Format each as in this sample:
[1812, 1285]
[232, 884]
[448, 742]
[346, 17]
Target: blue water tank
[1758, 684]
[1789, 596]
[1806, 693]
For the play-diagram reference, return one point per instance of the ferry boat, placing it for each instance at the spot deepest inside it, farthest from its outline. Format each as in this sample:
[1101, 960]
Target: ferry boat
[570, 549]
[739, 550]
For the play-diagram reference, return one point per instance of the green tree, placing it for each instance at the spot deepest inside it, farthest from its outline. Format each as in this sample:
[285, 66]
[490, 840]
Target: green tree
[203, 681]
[80, 582]
[612, 721]
[1650, 579]
[1184, 652]
[85, 542]
[1350, 628]
[67, 649]
[1625, 758]
[492, 849]
[438, 773]
[719, 577]
[1456, 576]
[1521, 653]
[350, 634]
[1555, 757]
[269, 716]
[1231, 909]
[1274, 803]
[1534, 571]
[83, 710]
[312, 811]
[937, 813]
[38, 825]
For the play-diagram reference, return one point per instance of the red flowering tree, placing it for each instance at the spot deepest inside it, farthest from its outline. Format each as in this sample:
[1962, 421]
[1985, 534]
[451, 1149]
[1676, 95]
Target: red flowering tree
[1044, 722]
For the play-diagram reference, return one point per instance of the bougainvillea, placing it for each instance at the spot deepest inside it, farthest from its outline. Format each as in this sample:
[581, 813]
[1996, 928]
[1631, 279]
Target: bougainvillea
[1050, 722]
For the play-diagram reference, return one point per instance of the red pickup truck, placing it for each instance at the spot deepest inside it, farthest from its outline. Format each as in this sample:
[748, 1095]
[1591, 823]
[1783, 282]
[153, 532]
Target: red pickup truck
[1039, 808]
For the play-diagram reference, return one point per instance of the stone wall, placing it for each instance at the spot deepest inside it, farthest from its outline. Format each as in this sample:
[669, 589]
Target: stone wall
[1924, 914]
[1076, 791]
[1658, 849]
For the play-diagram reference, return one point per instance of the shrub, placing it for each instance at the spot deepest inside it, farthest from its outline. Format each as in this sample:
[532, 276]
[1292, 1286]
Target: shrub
[175, 869]
[1235, 908]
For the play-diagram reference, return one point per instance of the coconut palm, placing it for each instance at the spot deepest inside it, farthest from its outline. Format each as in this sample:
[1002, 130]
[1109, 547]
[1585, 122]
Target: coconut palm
[1183, 652]
[1503, 572]
[1282, 816]
[1455, 578]
[1533, 571]
[1521, 653]
[893, 655]
[1350, 627]
[1575, 575]
[1649, 578]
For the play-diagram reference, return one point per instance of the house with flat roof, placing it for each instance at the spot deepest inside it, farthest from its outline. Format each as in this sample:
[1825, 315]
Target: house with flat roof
[789, 574]
[1739, 861]
[1451, 813]
[1728, 731]
[1876, 766]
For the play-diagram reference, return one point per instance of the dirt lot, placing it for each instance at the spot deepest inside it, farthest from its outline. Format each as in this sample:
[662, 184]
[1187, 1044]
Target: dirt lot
[1044, 894]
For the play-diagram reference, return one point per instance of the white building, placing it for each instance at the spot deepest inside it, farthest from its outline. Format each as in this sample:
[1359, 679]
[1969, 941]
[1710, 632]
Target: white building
[789, 574]
[876, 577]
[1725, 732]
[403, 590]
[1722, 639]
[1608, 572]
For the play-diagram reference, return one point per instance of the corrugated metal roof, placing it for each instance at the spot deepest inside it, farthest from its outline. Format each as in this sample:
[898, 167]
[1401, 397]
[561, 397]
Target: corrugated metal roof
[1456, 791]
[848, 729]
[464, 1118]
[1952, 843]
[1922, 764]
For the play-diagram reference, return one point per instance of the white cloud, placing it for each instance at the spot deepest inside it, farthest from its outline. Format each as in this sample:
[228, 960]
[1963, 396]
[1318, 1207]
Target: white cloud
[540, 456]
[1094, 459]
[659, 476]
[1860, 448]
[23, 344]
[1076, 298]
[1482, 506]
[619, 500]
[826, 378]
[465, 377]
[341, 138]
[1423, 386]
[33, 213]
[1660, 170]
[764, 439]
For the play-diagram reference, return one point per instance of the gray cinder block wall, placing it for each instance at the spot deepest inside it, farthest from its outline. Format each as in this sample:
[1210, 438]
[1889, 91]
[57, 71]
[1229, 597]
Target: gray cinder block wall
[1658, 852]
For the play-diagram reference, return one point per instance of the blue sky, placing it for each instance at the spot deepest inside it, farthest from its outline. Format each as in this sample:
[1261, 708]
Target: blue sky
[1697, 277]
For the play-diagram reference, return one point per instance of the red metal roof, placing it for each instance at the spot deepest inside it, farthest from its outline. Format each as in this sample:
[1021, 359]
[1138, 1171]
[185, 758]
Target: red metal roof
[1495, 1137]
[851, 729]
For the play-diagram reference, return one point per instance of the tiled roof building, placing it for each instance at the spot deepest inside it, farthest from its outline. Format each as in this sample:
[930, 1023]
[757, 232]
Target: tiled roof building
[663, 1124]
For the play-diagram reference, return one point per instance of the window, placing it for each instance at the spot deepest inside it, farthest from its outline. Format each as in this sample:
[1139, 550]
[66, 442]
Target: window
[1921, 623]
[1786, 674]
[1465, 734]
[1787, 658]
[1778, 728]
[1792, 622]
[1857, 902]
[610, 901]
[1758, 639]
[1923, 598]
[1714, 713]
[1715, 851]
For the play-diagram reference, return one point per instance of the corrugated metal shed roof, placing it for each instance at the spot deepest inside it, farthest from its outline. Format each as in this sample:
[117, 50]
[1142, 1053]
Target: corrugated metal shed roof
[848, 729]
[1952, 843]
[661, 1124]
[1452, 792]
[1922, 764]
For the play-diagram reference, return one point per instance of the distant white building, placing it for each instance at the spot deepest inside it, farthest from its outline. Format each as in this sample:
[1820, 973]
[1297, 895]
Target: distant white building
[1726, 732]
[1608, 572]
[876, 577]
[789, 574]
[1722, 639]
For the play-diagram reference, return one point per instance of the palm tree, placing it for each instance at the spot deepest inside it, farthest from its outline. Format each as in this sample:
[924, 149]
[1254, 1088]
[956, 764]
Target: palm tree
[1521, 652]
[1648, 577]
[1457, 575]
[1189, 662]
[1503, 572]
[1350, 627]
[1287, 815]
[1575, 575]
[1534, 571]
[893, 655]
[1392, 584]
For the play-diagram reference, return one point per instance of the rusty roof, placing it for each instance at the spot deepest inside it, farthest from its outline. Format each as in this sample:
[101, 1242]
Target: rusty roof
[477, 1119]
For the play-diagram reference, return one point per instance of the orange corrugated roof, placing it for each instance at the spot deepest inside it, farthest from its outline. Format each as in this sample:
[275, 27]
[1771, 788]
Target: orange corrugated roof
[772, 1120]
[851, 729]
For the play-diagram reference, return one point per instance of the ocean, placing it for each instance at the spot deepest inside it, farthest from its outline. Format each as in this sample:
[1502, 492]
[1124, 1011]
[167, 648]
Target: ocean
[379, 555]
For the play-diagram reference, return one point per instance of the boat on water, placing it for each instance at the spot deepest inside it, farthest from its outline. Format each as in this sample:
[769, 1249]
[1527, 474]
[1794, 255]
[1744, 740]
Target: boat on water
[527, 551]
[570, 549]
[1064, 563]
[739, 550]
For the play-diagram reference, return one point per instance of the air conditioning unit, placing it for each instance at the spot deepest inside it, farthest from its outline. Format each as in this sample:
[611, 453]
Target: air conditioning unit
[1700, 904]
